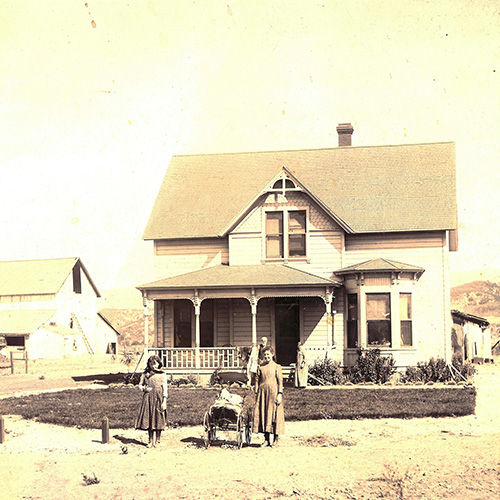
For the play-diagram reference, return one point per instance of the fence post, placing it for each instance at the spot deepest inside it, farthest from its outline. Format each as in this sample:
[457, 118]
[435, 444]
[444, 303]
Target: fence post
[26, 362]
[11, 363]
[2, 430]
[105, 430]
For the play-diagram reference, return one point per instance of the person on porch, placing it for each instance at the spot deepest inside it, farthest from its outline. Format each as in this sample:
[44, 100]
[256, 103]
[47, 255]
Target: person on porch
[269, 416]
[301, 368]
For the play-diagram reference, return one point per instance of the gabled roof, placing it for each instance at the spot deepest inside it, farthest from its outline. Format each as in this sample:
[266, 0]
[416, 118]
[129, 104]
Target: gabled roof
[106, 320]
[271, 275]
[371, 189]
[377, 265]
[38, 277]
[23, 321]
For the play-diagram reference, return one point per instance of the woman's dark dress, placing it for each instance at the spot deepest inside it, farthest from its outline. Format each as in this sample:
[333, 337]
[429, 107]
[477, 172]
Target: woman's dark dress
[151, 416]
[267, 416]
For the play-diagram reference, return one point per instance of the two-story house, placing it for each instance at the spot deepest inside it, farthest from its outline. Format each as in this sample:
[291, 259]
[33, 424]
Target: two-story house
[338, 248]
[48, 308]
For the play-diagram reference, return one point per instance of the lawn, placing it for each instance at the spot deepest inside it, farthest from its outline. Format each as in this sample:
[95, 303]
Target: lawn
[186, 405]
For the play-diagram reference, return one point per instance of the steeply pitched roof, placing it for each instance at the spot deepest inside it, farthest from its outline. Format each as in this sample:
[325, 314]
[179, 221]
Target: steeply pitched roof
[38, 277]
[371, 189]
[241, 276]
[23, 321]
[376, 265]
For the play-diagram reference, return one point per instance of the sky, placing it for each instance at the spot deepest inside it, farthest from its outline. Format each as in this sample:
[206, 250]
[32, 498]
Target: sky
[96, 97]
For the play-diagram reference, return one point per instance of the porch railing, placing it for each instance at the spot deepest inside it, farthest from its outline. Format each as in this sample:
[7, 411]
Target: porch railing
[186, 358]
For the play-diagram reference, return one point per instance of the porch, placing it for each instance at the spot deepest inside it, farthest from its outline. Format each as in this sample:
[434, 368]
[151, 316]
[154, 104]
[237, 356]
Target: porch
[207, 359]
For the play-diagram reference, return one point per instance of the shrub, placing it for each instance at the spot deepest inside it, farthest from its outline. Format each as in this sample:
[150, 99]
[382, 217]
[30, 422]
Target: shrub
[327, 370]
[465, 368]
[437, 370]
[372, 367]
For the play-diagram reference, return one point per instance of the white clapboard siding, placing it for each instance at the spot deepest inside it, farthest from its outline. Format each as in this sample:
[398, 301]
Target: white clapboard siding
[223, 322]
[174, 257]
[245, 249]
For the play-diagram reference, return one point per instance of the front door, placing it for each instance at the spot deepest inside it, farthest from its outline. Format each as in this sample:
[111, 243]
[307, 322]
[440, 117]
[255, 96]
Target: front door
[183, 310]
[287, 330]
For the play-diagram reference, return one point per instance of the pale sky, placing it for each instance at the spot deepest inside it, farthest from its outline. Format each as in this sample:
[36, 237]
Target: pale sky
[96, 97]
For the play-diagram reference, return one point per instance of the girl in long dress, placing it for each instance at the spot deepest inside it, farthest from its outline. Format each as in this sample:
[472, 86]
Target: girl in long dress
[269, 416]
[152, 413]
[301, 368]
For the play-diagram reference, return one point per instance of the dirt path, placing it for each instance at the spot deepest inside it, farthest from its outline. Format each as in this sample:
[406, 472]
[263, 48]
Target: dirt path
[386, 458]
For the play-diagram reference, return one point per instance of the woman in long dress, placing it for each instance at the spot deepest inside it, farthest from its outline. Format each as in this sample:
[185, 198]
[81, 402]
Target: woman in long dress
[152, 413]
[269, 416]
[301, 368]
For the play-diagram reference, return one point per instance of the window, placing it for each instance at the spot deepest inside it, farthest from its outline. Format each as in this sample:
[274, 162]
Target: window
[352, 320]
[405, 317]
[378, 316]
[77, 279]
[274, 235]
[292, 224]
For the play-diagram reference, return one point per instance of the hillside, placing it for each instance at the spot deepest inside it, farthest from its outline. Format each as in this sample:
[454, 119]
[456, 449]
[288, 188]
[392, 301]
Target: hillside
[130, 323]
[481, 298]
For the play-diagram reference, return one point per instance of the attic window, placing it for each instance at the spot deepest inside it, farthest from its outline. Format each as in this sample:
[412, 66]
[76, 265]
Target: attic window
[288, 184]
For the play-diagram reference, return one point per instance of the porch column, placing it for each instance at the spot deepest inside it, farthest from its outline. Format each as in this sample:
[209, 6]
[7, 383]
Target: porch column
[197, 310]
[328, 298]
[253, 306]
[145, 302]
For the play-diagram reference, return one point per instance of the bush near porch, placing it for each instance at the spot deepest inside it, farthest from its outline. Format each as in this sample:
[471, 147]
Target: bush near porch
[186, 405]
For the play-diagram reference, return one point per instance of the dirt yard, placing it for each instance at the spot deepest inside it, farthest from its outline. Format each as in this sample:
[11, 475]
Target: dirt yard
[348, 459]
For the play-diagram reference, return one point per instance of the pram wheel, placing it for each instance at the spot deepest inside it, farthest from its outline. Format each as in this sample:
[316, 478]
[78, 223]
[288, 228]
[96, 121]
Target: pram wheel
[207, 430]
[240, 429]
[248, 434]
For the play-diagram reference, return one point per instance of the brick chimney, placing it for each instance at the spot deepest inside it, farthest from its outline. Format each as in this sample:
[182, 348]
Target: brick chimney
[345, 131]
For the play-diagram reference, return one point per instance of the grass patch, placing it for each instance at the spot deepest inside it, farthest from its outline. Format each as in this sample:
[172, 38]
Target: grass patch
[186, 406]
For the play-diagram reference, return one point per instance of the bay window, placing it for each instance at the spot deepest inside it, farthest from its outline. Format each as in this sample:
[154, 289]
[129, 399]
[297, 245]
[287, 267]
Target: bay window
[405, 317]
[378, 319]
[352, 320]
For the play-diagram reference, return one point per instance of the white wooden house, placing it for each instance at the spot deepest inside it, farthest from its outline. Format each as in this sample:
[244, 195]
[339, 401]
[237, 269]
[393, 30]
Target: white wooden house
[48, 308]
[339, 248]
[471, 337]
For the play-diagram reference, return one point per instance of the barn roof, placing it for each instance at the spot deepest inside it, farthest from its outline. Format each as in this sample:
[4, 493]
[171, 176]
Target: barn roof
[371, 189]
[23, 322]
[38, 277]
[241, 276]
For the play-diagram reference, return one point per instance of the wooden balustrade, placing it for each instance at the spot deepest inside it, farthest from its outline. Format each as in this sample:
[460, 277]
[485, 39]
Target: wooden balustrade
[186, 357]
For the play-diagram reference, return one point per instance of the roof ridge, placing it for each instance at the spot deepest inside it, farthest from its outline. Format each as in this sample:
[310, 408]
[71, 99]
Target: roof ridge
[312, 149]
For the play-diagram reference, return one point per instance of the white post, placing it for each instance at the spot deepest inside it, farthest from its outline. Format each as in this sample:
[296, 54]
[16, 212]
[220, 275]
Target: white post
[145, 302]
[197, 311]
[328, 298]
[253, 306]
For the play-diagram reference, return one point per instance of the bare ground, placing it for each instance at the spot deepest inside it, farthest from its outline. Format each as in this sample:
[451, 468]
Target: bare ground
[347, 459]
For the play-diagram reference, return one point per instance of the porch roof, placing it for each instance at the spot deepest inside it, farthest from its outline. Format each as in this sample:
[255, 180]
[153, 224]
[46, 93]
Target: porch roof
[264, 275]
[377, 265]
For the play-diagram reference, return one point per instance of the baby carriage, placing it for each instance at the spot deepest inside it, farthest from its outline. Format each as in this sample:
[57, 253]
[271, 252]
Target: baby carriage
[228, 413]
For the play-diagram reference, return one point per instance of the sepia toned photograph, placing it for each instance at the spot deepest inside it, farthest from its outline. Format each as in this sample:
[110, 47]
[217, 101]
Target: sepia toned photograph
[249, 250]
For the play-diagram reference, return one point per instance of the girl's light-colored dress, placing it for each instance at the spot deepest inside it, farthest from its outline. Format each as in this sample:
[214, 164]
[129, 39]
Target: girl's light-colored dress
[269, 417]
[151, 416]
